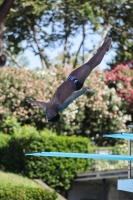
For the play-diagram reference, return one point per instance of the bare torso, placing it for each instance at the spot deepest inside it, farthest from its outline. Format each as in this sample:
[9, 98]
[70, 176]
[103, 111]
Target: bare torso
[64, 91]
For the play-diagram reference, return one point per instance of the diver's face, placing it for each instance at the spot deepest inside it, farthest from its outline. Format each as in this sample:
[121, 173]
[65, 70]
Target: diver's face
[50, 113]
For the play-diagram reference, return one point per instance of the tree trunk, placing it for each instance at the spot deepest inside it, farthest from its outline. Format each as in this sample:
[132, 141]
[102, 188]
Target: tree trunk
[82, 44]
[2, 53]
[4, 10]
[65, 52]
[67, 32]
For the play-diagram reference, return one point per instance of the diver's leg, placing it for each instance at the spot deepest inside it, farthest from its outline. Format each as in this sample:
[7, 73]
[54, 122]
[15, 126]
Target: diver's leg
[83, 72]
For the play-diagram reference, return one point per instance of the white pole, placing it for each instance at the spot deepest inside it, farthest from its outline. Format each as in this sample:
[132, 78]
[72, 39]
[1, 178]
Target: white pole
[129, 162]
[129, 152]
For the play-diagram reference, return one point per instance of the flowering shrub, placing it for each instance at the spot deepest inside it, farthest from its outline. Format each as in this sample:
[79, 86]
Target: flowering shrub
[89, 115]
[120, 149]
[121, 78]
[16, 85]
[103, 110]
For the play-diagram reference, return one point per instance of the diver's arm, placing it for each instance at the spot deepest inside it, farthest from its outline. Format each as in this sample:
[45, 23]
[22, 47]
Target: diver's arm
[73, 97]
[40, 104]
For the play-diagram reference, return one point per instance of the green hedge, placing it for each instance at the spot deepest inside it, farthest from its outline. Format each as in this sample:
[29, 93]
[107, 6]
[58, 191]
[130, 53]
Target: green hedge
[26, 193]
[56, 172]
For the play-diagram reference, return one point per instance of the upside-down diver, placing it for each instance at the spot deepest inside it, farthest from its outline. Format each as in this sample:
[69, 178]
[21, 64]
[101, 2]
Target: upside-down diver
[65, 93]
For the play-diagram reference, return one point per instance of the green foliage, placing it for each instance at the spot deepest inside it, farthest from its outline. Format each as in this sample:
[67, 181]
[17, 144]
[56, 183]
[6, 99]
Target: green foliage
[56, 172]
[119, 14]
[104, 111]
[10, 125]
[121, 78]
[7, 178]
[48, 24]
[101, 165]
[17, 60]
[87, 116]
[25, 193]
[119, 149]
[4, 140]
[40, 24]
[16, 85]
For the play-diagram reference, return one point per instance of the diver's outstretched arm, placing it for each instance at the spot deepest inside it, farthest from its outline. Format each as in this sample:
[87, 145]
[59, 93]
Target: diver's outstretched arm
[73, 97]
[40, 104]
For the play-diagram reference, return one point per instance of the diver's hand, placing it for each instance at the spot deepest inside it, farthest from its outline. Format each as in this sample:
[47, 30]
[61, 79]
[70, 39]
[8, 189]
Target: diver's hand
[86, 89]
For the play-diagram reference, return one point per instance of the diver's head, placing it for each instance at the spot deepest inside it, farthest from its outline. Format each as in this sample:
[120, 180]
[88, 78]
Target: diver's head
[55, 118]
[52, 114]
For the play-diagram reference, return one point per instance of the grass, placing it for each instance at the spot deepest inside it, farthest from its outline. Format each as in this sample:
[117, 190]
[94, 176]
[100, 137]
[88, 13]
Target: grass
[14, 179]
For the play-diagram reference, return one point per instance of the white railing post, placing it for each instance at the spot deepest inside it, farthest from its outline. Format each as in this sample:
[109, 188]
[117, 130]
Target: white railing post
[130, 127]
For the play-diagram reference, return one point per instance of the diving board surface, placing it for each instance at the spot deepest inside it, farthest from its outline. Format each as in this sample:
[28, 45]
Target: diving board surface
[132, 161]
[82, 155]
[125, 185]
[125, 136]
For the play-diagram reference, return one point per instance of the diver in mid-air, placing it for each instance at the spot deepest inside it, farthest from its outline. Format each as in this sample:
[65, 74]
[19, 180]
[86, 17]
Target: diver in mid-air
[65, 93]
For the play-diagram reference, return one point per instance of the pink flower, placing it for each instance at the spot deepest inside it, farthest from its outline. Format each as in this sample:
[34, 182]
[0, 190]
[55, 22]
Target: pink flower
[128, 99]
[127, 84]
[119, 76]
[122, 93]
[128, 79]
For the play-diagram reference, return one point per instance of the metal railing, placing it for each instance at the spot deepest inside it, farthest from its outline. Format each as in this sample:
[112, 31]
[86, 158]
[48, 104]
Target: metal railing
[101, 165]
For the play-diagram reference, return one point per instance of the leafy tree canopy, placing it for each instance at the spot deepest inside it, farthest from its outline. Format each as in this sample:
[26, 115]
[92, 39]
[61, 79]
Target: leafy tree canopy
[51, 23]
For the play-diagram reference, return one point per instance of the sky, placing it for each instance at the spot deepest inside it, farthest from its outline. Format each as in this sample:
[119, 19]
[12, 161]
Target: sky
[34, 61]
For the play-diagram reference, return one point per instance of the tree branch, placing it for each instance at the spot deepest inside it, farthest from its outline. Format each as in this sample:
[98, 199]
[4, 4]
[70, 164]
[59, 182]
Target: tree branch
[82, 42]
[13, 59]
[5, 8]
[42, 57]
[103, 37]
[67, 31]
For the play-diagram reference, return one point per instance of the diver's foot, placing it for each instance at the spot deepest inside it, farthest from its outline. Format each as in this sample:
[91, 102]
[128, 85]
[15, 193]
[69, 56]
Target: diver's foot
[88, 90]
[107, 43]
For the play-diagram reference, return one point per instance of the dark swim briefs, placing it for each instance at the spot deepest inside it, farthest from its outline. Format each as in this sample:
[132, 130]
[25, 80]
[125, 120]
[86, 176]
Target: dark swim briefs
[76, 82]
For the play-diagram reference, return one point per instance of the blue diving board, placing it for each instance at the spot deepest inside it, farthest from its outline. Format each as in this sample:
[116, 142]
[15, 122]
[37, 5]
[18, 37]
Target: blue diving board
[125, 136]
[81, 155]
